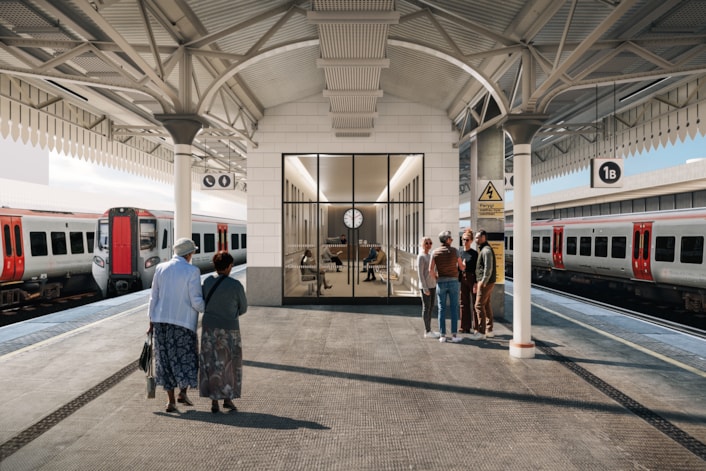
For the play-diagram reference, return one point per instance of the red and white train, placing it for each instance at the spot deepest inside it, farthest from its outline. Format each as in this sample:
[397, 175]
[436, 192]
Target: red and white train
[130, 242]
[652, 255]
[44, 253]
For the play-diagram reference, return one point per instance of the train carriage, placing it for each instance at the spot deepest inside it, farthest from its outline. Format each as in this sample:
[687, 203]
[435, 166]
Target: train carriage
[131, 242]
[653, 255]
[44, 253]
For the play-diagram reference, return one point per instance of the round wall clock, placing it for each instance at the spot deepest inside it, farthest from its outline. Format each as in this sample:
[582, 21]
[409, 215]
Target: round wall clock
[352, 218]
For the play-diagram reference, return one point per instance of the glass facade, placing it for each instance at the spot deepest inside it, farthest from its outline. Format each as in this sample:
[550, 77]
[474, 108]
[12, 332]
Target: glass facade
[336, 209]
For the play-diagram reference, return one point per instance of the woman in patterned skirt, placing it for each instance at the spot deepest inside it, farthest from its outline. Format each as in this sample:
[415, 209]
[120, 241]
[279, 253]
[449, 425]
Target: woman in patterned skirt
[221, 356]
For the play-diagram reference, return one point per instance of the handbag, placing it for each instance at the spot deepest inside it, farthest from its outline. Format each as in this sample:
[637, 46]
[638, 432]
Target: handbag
[146, 355]
[151, 383]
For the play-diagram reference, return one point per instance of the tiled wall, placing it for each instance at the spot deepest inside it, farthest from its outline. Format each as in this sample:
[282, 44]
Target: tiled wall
[305, 127]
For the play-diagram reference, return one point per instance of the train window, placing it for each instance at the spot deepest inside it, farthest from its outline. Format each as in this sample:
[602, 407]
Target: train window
[76, 240]
[234, 241]
[601, 246]
[58, 243]
[38, 244]
[585, 246]
[618, 248]
[197, 240]
[165, 239]
[512, 242]
[535, 244]
[90, 240]
[18, 240]
[571, 246]
[664, 249]
[8, 240]
[692, 250]
[546, 244]
[243, 241]
[103, 234]
[636, 246]
[209, 243]
[148, 234]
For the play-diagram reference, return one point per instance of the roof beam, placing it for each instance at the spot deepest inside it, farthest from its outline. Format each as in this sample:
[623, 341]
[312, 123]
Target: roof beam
[353, 17]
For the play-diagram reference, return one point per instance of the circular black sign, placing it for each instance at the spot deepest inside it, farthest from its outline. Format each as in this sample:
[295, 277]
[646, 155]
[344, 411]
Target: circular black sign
[209, 181]
[609, 172]
[224, 181]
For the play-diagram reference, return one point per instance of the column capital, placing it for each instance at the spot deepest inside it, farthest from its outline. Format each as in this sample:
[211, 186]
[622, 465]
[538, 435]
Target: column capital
[182, 127]
[522, 127]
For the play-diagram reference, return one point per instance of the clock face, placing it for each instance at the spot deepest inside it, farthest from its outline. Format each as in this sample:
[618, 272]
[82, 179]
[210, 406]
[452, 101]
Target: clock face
[352, 218]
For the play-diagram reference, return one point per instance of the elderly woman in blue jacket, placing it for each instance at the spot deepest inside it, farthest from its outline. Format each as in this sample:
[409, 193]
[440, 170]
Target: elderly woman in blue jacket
[175, 303]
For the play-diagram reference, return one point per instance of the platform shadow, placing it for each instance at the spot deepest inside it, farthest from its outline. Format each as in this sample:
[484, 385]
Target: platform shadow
[245, 419]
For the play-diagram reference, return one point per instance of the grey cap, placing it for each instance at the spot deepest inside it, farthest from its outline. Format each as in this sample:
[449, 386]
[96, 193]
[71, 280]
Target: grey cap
[184, 247]
[444, 236]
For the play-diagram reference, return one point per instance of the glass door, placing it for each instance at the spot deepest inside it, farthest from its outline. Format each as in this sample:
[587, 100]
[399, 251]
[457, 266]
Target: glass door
[351, 226]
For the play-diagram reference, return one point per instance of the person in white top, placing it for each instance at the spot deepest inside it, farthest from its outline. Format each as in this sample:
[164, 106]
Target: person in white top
[175, 302]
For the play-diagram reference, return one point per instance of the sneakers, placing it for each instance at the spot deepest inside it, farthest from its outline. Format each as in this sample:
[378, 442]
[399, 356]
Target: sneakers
[432, 335]
[489, 334]
[456, 339]
[442, 339]
[477, 336]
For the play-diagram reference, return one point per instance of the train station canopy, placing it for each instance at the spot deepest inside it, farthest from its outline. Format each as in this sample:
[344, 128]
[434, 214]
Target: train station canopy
[95, 78]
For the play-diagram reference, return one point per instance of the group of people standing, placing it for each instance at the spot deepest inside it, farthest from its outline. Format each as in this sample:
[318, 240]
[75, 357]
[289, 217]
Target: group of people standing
[177, 297]
[465, 278]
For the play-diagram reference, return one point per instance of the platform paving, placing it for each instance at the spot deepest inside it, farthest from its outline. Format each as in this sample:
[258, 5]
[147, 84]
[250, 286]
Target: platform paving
[349, 388]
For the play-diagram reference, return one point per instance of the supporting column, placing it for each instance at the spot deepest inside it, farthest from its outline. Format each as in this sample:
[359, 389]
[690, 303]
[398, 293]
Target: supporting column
[183, 129]
[521, 130]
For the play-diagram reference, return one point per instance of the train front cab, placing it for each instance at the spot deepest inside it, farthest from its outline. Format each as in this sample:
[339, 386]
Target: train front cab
[123, 268]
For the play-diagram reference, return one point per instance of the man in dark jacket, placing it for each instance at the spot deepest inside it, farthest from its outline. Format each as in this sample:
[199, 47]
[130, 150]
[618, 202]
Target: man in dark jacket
[485, 276]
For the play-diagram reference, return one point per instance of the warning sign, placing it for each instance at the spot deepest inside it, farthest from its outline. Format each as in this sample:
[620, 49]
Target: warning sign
[490, 200]
[490, 193]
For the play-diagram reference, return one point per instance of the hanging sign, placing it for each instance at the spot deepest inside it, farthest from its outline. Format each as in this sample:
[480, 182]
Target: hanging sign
[218, 181]
[606, 173]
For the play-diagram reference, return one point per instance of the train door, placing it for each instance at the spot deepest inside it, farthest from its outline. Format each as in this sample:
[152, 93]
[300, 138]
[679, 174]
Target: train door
[558, 247]
[223, 237]
[13, 266]
[641, 250]
[123, 258]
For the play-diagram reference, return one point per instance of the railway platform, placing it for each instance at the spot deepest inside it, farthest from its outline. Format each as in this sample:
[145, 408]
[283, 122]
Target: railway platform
[359, 388]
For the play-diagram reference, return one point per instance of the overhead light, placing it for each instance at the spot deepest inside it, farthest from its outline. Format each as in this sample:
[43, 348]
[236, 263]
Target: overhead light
[643, 89]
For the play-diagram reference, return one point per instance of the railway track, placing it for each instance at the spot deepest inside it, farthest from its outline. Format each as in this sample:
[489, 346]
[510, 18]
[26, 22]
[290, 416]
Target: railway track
[42, 308]
[668, 316]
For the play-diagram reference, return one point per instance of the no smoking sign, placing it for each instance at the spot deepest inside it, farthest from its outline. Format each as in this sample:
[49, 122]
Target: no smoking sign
[606, 173]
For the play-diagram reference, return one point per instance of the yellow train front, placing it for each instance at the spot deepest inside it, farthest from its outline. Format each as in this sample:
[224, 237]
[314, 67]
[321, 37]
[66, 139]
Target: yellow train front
[131, 242]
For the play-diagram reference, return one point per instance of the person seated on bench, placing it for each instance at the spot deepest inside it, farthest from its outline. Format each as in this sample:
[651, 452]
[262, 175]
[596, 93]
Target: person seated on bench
[328, 257]
[371, 256]
[379, 262]
[308, 268]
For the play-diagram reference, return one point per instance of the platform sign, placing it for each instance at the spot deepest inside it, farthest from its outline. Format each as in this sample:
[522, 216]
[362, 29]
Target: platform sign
[499, 251]
[606, 173]
[490, 200]
[218, 181]
[509, 181]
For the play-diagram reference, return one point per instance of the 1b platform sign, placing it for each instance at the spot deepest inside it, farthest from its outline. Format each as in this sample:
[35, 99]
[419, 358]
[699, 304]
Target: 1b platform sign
[606, 173]
[221, 181]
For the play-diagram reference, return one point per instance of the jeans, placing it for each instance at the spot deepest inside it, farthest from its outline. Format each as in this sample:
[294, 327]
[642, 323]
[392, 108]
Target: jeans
[484, 310]
[427, 306]
[448, 289]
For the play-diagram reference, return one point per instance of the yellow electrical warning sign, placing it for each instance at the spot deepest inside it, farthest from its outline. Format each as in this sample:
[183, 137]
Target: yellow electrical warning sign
[490, 193]
[490, 201]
